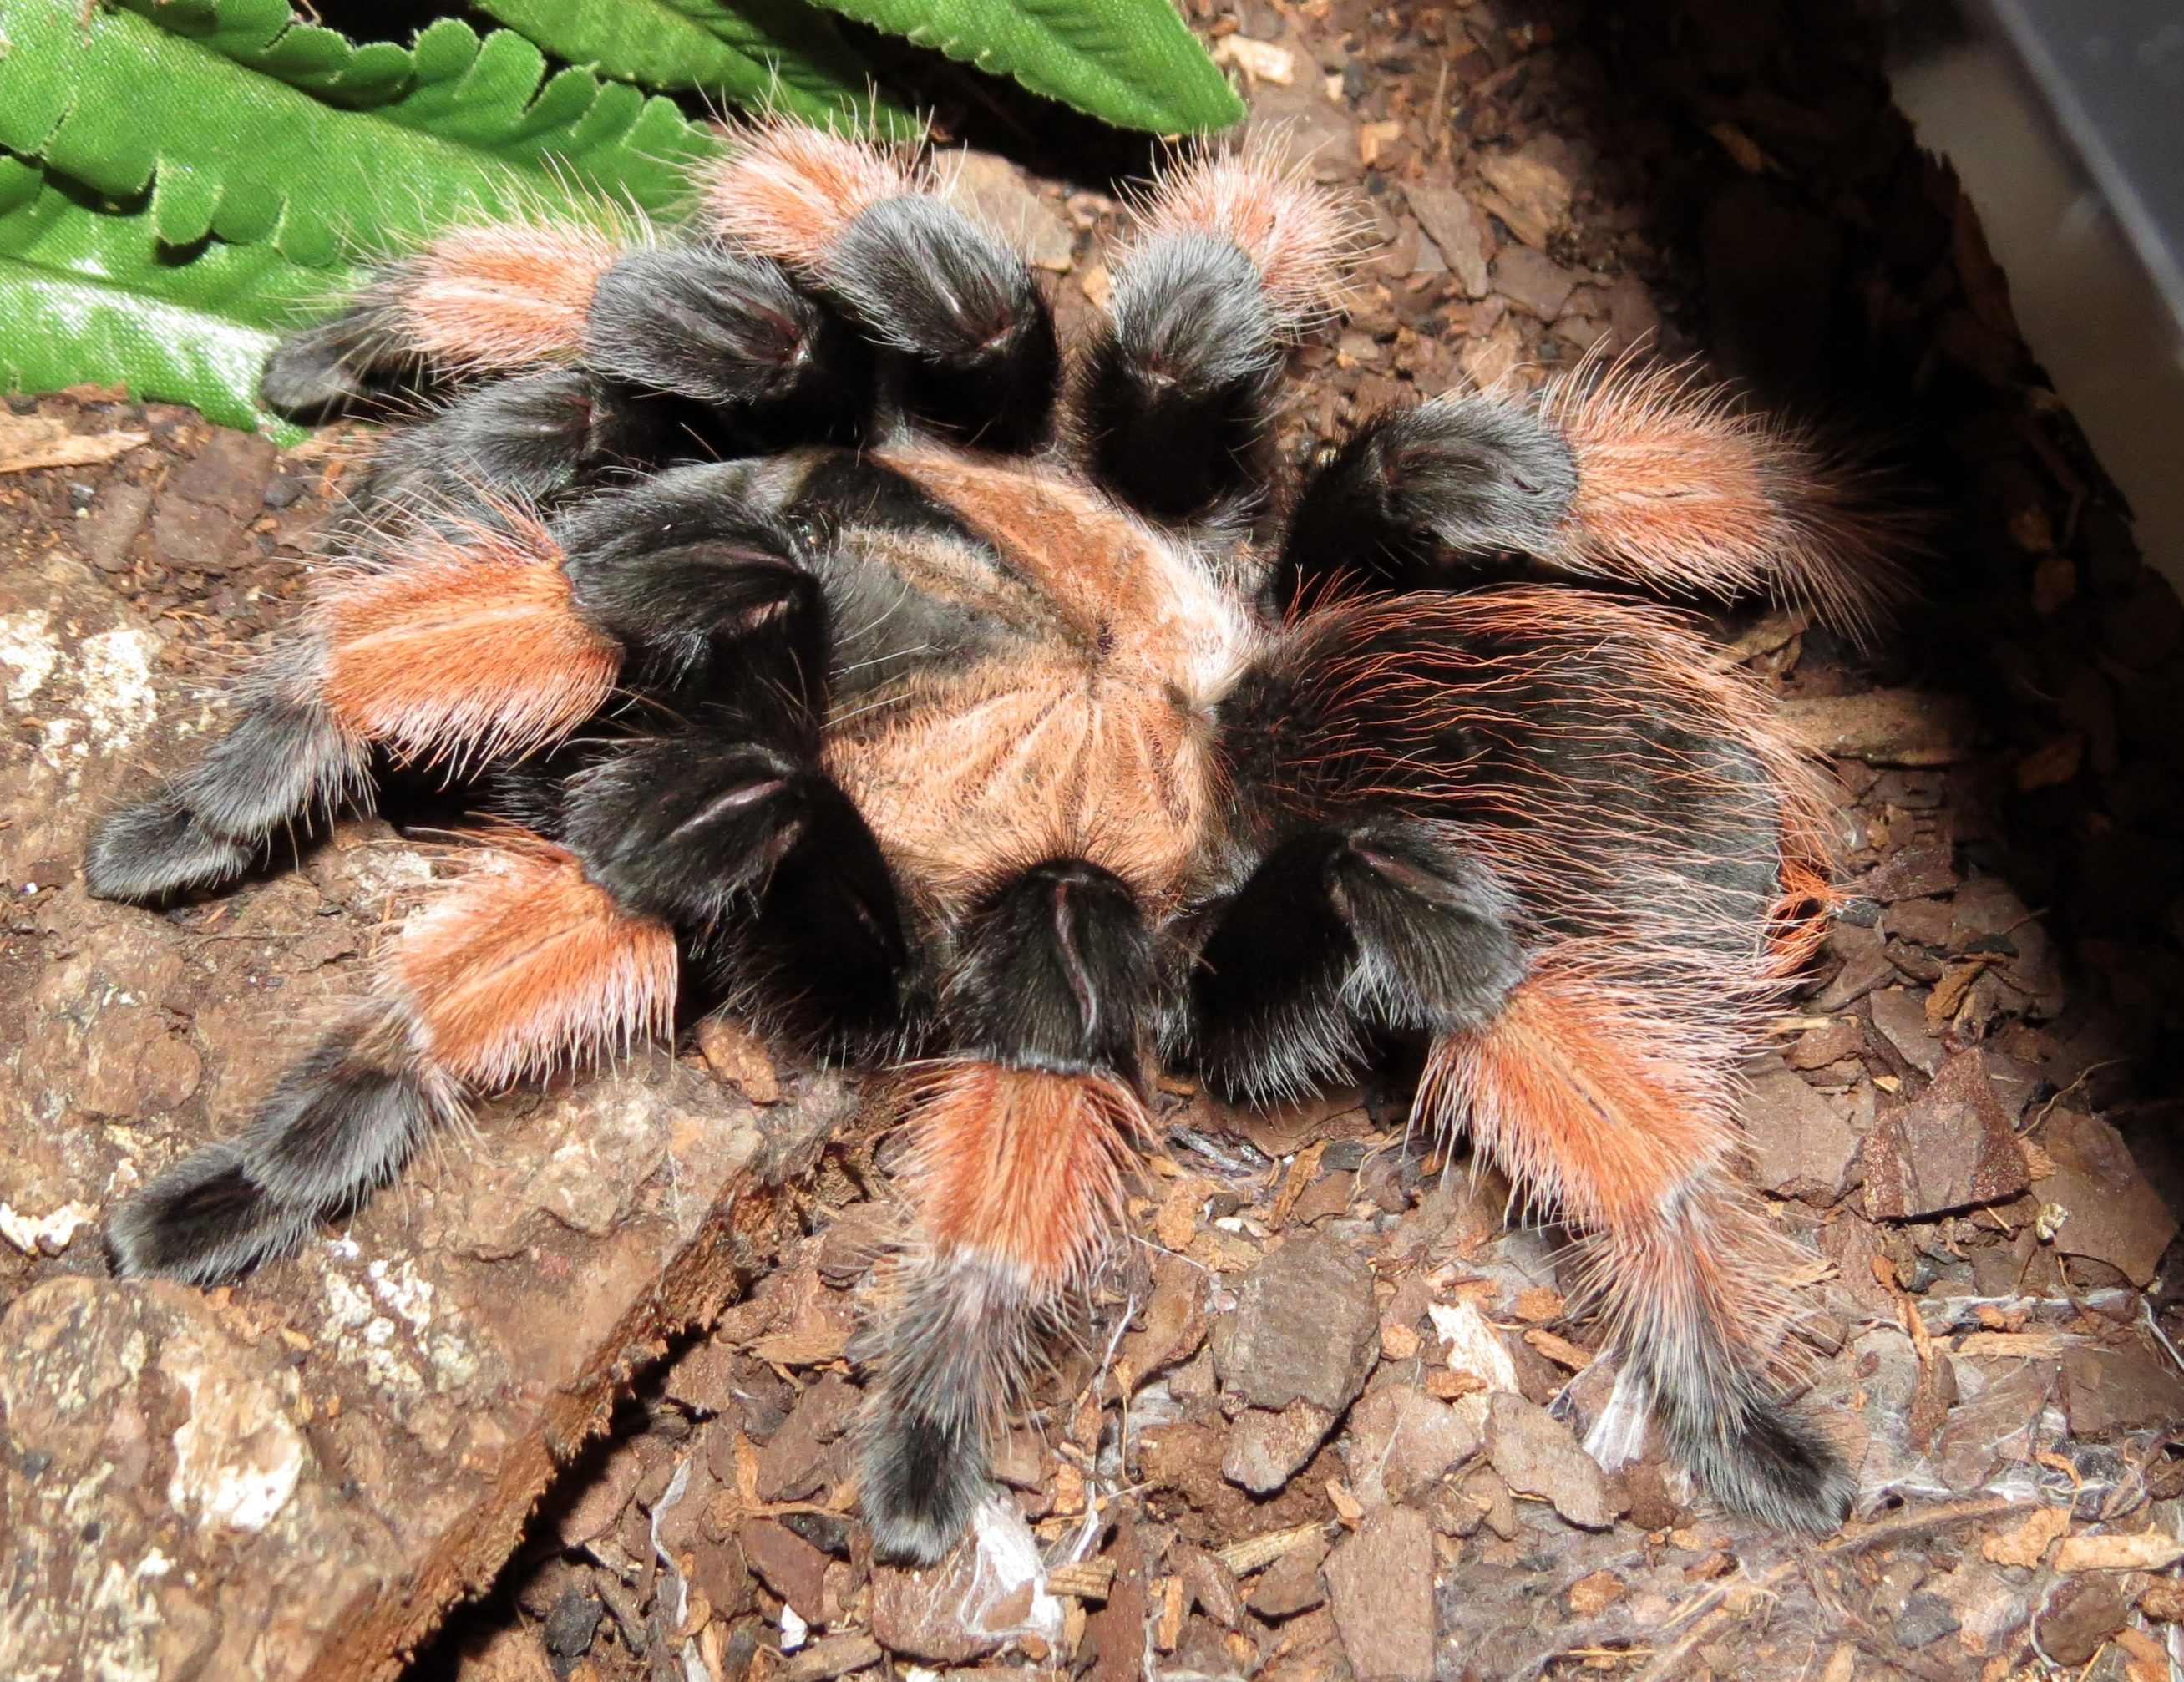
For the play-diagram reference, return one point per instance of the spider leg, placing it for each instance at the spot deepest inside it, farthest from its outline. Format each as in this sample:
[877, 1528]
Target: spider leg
[1023, 1140]
[1234, 258]
[971, 334]
[1624, 814]
[1384, 922]
[1578, 1089]
[1635, 477]
[521, 966]
[496, 297]
[450, 651]
[1427, 498]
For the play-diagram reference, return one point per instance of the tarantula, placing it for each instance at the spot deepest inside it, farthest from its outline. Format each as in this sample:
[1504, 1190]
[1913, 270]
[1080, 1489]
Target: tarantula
[805, 635]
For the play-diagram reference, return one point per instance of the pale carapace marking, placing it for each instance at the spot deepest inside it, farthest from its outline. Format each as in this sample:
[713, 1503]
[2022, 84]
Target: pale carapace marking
[1090, 735]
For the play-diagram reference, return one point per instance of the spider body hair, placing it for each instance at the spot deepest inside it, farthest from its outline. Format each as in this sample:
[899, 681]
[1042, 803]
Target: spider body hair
[750, 573]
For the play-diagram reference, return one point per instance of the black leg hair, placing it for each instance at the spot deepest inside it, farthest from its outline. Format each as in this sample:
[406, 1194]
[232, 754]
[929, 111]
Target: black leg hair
[284, 759]
[980, 359]
[326, 370]
[1384, 924]
[1056, 974]
[825, 955]
[1434, 497]
[1176, 392]
[342, 1123]
[734, 333]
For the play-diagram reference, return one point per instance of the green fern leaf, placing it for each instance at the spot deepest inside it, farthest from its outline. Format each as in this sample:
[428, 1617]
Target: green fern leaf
[123, 105]
[779, 55]
[87, 293]
[1131, 63]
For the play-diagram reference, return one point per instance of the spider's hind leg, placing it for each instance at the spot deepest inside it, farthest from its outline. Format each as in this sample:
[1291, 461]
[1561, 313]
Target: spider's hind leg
[1023, 1142]
[972, 334]
[522, 964]
[1234, 258]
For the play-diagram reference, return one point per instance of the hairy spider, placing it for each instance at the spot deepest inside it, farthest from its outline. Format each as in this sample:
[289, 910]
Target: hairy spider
[806, 637]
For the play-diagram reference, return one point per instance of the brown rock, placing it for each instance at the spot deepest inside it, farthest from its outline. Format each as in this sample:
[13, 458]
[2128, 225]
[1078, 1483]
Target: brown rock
[787, 1564]
[1535, 1455]
[720, 1572]
[918, 1614]
[1454, 225]
[116, 515]
[1400, 1440]
[1994, 1428]
[1530, 195]
[1115, 1634]
[230, 472]
[835, 1656]
[1924, 867]
[1380, 1582]
[2081, 1614]
[1534, 283]
[735, 1053]
[1175, 1318]
[795, 1465]
[1800, 1147]
[2114, 1215]
[1590, 1596]
[1304, 1327]
[1264, 1449]
[2107, 1392]
[1326, 1197]
[598, 1509]
[1865, 966]
[1953, 1147]
[1900, 1014]
[1292, 1584]
[1885, 727]
[1209, 1585]
[1817, 1047]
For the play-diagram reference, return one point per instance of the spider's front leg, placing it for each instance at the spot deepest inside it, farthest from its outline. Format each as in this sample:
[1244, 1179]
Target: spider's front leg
[1234, 258]
[1024, 1138]
[971, 337]
[553, 949]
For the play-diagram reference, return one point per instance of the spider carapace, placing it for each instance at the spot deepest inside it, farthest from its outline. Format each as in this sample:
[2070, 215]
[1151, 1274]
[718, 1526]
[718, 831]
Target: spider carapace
[812, 631]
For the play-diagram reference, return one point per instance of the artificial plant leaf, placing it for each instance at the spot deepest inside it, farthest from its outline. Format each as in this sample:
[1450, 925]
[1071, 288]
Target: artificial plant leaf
[92, 294]
[766, 55]
[1132, 63]
[468, 128]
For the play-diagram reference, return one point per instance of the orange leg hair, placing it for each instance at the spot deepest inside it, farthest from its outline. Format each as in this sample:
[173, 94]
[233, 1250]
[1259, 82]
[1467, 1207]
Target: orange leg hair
[1607, 1111]
[1016, 1186]
[464, 650]
[1680, 488]
[503, 296]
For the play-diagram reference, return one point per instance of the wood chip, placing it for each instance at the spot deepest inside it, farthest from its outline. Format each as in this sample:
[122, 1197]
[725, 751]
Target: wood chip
[30, 442]
[1256, 1552]
[1089, 1580]
[1560, 1351]
[2025, 1543]
[801, 1349]
[2146, 1550]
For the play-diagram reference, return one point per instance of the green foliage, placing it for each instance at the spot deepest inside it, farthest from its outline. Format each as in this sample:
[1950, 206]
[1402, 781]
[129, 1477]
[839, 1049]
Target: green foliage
[181, 180]
[1131, 63]
[88, 294]
[229, 147]
[764, 54]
